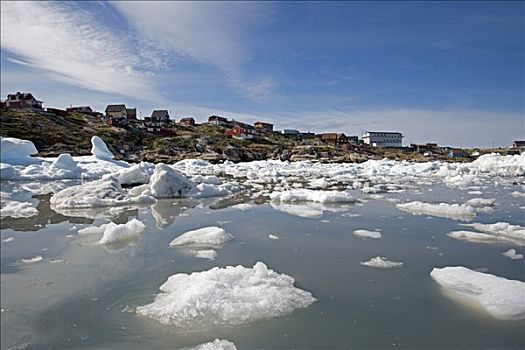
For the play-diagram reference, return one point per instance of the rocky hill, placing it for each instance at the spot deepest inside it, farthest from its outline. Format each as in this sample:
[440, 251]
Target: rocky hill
[53, 135]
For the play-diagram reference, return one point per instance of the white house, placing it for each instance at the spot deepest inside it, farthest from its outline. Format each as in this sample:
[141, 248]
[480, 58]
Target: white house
[383, 139]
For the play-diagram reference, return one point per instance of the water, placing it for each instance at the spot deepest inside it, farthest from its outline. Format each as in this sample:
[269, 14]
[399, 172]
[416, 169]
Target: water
[82, 295]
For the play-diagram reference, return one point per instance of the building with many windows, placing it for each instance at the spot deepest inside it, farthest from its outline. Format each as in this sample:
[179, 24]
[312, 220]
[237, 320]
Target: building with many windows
[383, 139]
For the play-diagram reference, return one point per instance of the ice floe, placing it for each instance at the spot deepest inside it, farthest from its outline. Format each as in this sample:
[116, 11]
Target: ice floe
[367, 234]
[225, 296]
[501, 231]
[121, 233]
[209, 254]
[217, 344]
[16, 209]
[16, 151]
[500, 297]
[382, 263]
[511, 254]
[100, 193]
[451, 211]
[212, 236]
[32, 260]
[305, 195]
[274, 237]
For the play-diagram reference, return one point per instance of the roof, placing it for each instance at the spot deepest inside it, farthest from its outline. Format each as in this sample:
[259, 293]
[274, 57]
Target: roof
[262, 123]
[115, 108]
[160, 113]
[187, 119]
[383, 132]
[23, 96]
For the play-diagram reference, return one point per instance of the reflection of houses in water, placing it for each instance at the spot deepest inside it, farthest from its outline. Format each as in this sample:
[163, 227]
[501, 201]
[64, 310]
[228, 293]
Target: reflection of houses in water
[44, 217]
[47, 216]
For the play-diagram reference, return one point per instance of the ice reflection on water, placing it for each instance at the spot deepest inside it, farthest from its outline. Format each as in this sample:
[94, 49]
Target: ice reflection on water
[83, 296]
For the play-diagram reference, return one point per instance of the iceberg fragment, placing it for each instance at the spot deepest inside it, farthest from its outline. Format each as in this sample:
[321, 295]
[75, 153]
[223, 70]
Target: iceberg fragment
[451, 211]
[204, 237]
[500, 297]
[225, 296]
[115, 233]
[382, 263]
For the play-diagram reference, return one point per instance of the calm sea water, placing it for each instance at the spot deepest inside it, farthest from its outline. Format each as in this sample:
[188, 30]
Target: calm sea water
[82, 295]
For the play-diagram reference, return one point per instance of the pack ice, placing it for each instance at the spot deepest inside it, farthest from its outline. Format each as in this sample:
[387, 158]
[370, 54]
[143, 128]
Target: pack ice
[500, 297]
[225, 296]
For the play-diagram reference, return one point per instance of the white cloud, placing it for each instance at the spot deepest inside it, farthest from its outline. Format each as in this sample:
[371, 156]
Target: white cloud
[213, 33]
[73, 46]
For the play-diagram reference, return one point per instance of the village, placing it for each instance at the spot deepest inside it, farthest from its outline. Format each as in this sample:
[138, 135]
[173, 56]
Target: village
[160, 124]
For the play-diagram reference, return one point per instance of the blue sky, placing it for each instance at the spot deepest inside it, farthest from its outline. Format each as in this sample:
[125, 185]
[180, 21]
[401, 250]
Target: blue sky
[446, 72]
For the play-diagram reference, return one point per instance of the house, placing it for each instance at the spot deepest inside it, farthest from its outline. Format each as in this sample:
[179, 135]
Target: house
[333, 138]
[307, 136]
[263, 127]
[456, 153]
[58, 112]
[383, 139]
[189, 121]
[23, 101]
[240, 133]
[131, 113]
[428, 147]
[158, 121]
[216, 120]
[293, 132]
[250, 128]
[352, 139]
[116, 115]
[518, 144]
[80, 109]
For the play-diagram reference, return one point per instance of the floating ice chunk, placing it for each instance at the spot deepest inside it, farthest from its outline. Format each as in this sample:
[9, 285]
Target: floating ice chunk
[8, 239]
[115, 233]
[300, 210]
[209, 254]
[32, 260]
[382, 263]
[16, 209]
[99, 193]
[305, 195]
[243, 206]
[225, 296]
[204, 237]
[206, 190]
[481, 202]
[518, 194]
[274, 237]
[211, 180]
[135, 174]
[66, 166]
[451, 211]
[500, 297]
[100, 150]
[16, 151]
[502, 231]
[97, 230]
[167, 182]
[217, 344]
[367, 234]
[511, 254]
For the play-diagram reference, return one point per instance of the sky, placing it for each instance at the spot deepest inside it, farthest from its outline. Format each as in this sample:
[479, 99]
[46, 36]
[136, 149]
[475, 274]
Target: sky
[446, 72]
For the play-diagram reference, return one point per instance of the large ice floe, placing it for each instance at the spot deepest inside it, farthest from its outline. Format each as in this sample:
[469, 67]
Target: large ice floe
[225, 296]
[367, 234]
[501, 232]
[212, 236]
[452, 211]
[500, 297]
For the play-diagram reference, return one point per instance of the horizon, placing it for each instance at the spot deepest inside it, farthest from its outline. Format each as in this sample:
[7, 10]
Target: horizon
[451, 73]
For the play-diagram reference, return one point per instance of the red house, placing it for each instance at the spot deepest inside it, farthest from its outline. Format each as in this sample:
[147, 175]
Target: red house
[24, 101]
[240, 133]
